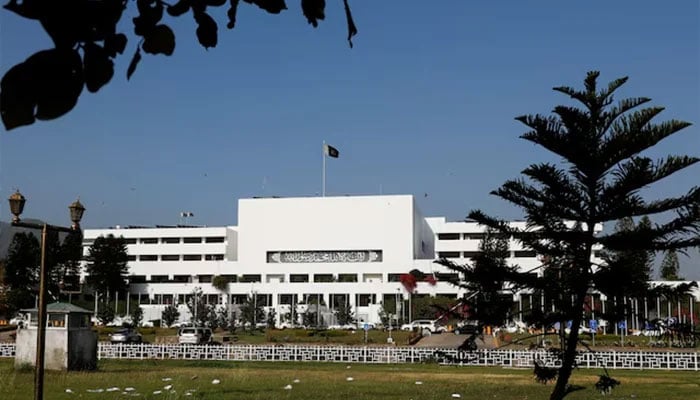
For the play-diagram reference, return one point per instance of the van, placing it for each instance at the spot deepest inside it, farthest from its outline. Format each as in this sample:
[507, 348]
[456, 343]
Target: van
[194, 335]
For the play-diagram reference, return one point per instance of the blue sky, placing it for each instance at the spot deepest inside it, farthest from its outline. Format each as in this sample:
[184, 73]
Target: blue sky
[424, 104]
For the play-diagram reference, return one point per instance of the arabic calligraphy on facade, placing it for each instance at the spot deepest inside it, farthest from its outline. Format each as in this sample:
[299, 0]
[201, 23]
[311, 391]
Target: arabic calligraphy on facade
[319, 256]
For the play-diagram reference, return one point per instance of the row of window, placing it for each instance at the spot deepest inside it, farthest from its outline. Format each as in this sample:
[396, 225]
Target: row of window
[472, 254]
[176, 257]
[167, 240]
[516, 254]
[293, 278]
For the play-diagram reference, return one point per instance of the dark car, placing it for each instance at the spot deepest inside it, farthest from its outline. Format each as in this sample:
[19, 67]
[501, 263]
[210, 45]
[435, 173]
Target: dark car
[125, 335]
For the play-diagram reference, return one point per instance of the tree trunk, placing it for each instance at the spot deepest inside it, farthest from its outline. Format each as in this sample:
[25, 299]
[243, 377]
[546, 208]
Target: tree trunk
[569, 358]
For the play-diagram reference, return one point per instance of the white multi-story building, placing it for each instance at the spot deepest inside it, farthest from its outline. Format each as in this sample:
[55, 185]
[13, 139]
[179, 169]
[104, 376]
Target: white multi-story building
[290, 251]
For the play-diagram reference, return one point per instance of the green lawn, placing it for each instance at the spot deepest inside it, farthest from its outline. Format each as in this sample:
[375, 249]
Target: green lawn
[329, 381]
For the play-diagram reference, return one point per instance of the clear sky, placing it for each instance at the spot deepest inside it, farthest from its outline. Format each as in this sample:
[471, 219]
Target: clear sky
[424, 105]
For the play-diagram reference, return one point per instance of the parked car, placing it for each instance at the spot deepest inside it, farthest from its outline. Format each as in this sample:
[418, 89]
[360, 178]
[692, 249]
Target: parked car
[125, 335]
[424, 326]
[18, 321]
[467, 327]
[346, 327]
[194, 335]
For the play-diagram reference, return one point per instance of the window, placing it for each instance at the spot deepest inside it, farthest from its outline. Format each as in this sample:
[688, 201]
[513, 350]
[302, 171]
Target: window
[347, 277]
[214, 239]
[149, 241]
[474, 236]
[213, 257]
[471, 254]
[159, 279]
[230, 278]
[366, 299]
[170, 257]
[192, 257]
[597, 253]
[525, 254]
[448, 254]
[298, 278]
[181, 299]
[148, 257]
[167, 299]
[394, 277]
[448, 236]
[182, 278]
[137, 279]
[239, 298]
[204, 278]
[130, 258]
[170, 240]
[130, 240]
[323, 278]
[251, 278]
[446, 277]
[288, 298]
[212, 299]
[192, 240]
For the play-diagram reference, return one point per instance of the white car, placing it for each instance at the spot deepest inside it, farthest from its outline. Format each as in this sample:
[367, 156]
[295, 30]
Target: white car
[424, 326]
[18, 320]
[192, 335]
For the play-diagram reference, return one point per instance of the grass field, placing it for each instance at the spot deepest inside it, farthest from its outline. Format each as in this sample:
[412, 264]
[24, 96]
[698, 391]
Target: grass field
[328, 381]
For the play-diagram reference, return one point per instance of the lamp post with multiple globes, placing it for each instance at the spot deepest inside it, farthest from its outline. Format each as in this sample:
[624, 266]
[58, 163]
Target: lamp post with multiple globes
[17, 201]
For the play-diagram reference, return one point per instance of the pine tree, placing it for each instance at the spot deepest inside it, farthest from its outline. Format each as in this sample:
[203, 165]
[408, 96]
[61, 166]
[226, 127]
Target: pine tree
[22, 272]
[598, 180]
[670, 267]
[107, 264]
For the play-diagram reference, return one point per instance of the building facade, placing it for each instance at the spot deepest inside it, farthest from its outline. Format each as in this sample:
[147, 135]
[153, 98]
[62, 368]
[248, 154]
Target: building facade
[289, 252]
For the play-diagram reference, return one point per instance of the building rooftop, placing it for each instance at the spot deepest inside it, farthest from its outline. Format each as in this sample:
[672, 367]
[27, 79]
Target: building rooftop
[59, 307]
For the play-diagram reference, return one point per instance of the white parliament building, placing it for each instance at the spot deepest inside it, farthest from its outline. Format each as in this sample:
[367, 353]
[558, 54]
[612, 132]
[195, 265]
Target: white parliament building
[287, 251]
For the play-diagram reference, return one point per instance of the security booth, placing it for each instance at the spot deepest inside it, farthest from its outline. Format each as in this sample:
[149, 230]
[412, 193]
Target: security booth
[70, 342]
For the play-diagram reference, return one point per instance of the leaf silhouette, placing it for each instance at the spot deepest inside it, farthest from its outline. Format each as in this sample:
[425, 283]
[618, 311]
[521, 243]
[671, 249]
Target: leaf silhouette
[134, 62]
[313, 10]
[115, 44]
[179, 8]
[97, 66]
[271, 6]
[161, 40]
[232, 14]
[352, 29]
[206, 30]
[17, 96]
[45, 86]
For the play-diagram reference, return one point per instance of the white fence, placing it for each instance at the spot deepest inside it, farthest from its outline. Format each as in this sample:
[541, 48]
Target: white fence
[669, 360]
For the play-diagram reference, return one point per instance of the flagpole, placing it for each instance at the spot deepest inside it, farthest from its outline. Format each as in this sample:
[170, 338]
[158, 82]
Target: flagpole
[323, 174]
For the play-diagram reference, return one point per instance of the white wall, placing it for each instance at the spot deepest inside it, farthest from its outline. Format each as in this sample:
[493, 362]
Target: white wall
[326, 223]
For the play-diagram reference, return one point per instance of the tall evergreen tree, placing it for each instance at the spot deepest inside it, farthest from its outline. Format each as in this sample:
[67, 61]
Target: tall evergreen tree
[107, 264]
[646, 256]
[22, 271]
[598, 181]
[670, 267]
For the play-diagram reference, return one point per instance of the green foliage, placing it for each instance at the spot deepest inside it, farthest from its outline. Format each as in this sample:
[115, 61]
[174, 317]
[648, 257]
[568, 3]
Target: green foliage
[599, 180]
[270, 318]
[47, 85]
[670, 267]
[220, 283]
[252, 312]
[105, 313]
[136, 316]
[202, 314]
[107, 264]
[344, 314]
[169, 315]
[485, 281]
[22, 272]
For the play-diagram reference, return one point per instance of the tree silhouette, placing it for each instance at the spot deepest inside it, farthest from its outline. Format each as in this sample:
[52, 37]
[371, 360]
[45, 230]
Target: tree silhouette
[670, 267]
[107, 264]
[47, 84]
[598, 181]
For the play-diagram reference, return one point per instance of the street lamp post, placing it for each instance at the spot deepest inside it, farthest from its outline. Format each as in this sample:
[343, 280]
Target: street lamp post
[76, 214]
